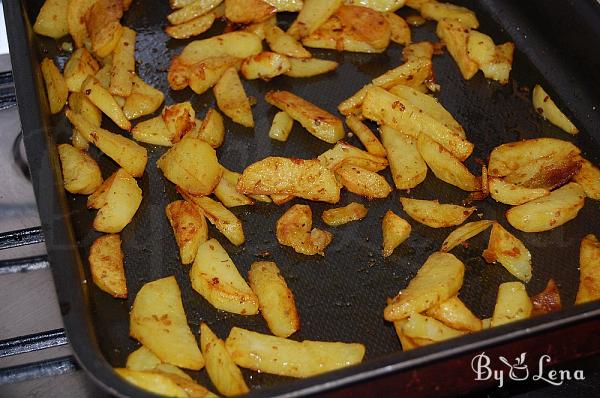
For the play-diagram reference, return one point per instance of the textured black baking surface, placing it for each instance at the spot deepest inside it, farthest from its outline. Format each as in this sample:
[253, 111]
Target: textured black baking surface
[340, 296]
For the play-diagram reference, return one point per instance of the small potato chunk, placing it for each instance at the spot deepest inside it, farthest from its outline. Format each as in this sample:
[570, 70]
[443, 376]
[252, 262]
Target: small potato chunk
[200, 76]
[505, 248]
[343, 215]
[276, 355]
[233, 177]
[123, 64]
[212, 129]
[544, 105]
[407, 166]
[423, 327]
[227, 193]
[102, 25]
[306, 179]
[309, 67]
[106, 265]
[464, 233]
[193, 27]
[217, 279]
[222, 371]
[513, 194]
[317, 121]
[455, 314]
[275, 299]
[189, 227]
[192, 165]
[81, 65]
[406, 342]
[366, 136]
[144, 99]
[117, 199]
[343, 153]
[400, 31]
[395, 231]
[311, 16]
[547, 300]
[436, 215]
[232, 99]
[281, 127]
[219, 216]
[56, 86]
[589, 179]
[363, 182]
[180, 120]
[550, 211]
[52, 19]
[439, 11]
[439, 279]
[265, 66]
[100, 97]
[589, 270]
[155, 382]
[192, 9]
[294, 229]
[153, 131]
[456, 35]
[158, 321]
[233, 44]
[248, 11]
[282, 43]
[512, 304]
[81, 173]
[501, 64]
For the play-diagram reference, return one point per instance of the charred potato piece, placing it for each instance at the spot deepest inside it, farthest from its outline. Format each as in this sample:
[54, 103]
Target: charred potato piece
[102, 25]
[545, 173]
[589, 270]
[505, 248]
[76, 10]
[547, 300]
[512, 304]
[106, 265]
[434, 214]
[343, 215]
[180, 119]
[395, 231]
[189, 227]
[411, 73]
[294, 229]
[544, 105]
[81, 173]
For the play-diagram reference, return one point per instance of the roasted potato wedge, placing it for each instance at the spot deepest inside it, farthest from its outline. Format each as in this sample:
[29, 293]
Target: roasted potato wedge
[508, 250]
[438, 280]
[407, 166]
[317, 121]
[548, 212]
[363, 182]
[193, 27]
[102, 25]
[434, 214]
[200, 76]
[311, 16]
[56, 86]
[366, 136]
[189, 227]
[547, 300]
[158, 321]
[456, 35]
[80, 65]
[439, 11]
[142, 360]
[217, 279]
[79, 103]
[512, 304]
[76, 11]
[309, 67]
[106, 265]
[123, 64]
[282, 43]
[212, 129]
[307, 179]
[544, 105]
[52, 21]
[233, 44]
[546, 173]
[180, 119]
[353, 104]
[233, 177]
[191, 10]
[399, 29]
[424, 327]
[81, 173]
[100, 97]
[153, 131]
[589, 179]
[227, 194]
[248, 11]
[281, 126]
[494, 61]
[144, 99]
[378, 5]
[343, 215]
[455, 314]
[513, 194]
[406, 342]
[219, 216]
[343, 153]
[286, 5]
[412, 72]
[155, 382]
[589, 270]
[275, 299]
[232, 99]
[395, 231]
[276, 355]
[464, 233]
[294, 229]
[265, 66]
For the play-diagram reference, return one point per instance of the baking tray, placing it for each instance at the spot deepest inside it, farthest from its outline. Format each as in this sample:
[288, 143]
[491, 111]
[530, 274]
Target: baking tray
[340, 296]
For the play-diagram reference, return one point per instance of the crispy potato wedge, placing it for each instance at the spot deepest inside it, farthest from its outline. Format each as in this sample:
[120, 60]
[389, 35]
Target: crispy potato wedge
[439, 279]
[100, 97]
[56, 86]
[129, 155]
[155, 382]
[117, 199]
[217, 279]
[545, 173]
[399, 29]
[307, 179]
[286, 5]
[222, 371]
[366, 136]
[233, 177]
[501, 64]
[191, 10]
[548, 212]
[248, 11]
[294, 229]
[424, 327]
[456, 35]
[395, 231]
[276, 355]
[142, 360]
[219, 216]
[259, 28]
[52, 21]
[153, 131]
[422, 49]
[282, 43]
[415, 69]
[80, 65]
[193, 27]
[589, 179]
[512, 304]
[76, 10]
[311, 16]
[434, 214]
[309, 67]
[212, 129]
[353, 104]
[317, 121]
[544, 105]
[189, 227]
[180, 119]
[192, 165]
[281, 126]
[123, 64]
[439, 11]
[106, 265]
[281, 199]
[343, 153]
[378, 5]
[144, 99]
[513, 194]
[79, 103]
[480, 47]
[275, 299]
[102, 25]
[589, 270]
[177, 4]
[455, 314]
[158, 321]
[343, 215]
[233, 44]
[265, 66]
[232, 99]
[363, 182]
[508, 250]
[407, 166]
[547, 300]
[200, 76]
[406, 342]
[464, 233]
[81, 173]
[227, 194]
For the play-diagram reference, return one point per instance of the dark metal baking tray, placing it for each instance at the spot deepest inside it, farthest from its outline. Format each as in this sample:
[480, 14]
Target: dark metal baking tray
[340, 296]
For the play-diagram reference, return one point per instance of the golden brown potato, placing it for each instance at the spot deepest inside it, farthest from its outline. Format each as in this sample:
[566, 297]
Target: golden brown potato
[142, 360]
[192, 165]
[52, 19]
[200, 76]
[219, 216]
[56, 86]
[513, 194]
[424, 327]
[212, 129]
[76, 10]
[129, 155]
[232, 99]
[79, 103]
[248, 11]
[102, 25]
[282, 43]
[309, 67]
[343, 215]
[281, 199]
[395, 231]
[233, 44]
[546, 173]
[494, 61]
[306, 179]
[222, 371]
[407, 166]
[363, 182]
[180, 119]
[123, 64]
[439, 11]
[81, 173]
[317, 121]
[378, 5]
[406, 342]
[156, 382]
[153, 131]
[265, 66]
[227, 193]
[455, 35]
[512, 304]
[436, 215]
[399, 30]
[259, 28]
[411, 73]
[544, 105]
[106, 265]
[100, 97]
[281, 126]
[311, 16]
[275, 299]
[80, 65]
[353, 104]
[455, 314]
[192, 9]
[158, 321]
[439, 279]
[233, 177]
[276, 355]
[589, 179]
[505, 248]
[117, 199]
[193, 27]
[189, 227]
[589, 270]
[547, 300]
[217, 279]
[294, 229]
[366, 136]
[464, 233]
[286, 5]
[144, 99]
[343, 153]
[548, 212]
